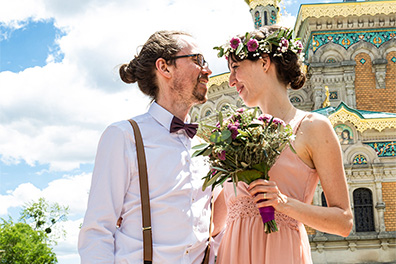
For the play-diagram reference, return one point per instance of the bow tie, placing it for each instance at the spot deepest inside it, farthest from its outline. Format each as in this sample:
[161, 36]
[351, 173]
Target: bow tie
[177, 124]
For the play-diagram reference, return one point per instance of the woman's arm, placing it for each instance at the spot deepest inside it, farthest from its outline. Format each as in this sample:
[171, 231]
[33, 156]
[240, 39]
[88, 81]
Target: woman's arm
[219, 214]
[317, 145]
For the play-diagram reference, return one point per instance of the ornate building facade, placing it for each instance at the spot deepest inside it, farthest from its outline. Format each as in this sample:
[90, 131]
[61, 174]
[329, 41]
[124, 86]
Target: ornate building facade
[350, 53]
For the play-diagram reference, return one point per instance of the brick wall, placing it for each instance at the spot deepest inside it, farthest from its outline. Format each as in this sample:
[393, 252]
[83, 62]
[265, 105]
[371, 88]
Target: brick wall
[368, 97]
[389, 198]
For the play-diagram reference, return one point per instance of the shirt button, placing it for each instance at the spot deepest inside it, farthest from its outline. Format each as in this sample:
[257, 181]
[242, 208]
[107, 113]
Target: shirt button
[186, 251]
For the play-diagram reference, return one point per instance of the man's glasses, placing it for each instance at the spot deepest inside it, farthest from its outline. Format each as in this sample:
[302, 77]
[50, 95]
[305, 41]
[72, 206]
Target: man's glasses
[200, 60]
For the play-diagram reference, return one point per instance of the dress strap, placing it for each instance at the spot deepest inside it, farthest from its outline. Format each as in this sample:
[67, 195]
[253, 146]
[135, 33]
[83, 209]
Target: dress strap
[299, 123]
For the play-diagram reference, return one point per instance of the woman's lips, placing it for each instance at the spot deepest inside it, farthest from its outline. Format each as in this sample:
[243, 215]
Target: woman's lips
[239, 89]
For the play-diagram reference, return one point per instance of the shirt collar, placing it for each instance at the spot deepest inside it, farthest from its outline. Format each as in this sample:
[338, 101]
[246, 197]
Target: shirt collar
[163, 116]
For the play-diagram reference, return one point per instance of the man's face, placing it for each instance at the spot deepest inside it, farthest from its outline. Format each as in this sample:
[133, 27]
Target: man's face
[190, 79]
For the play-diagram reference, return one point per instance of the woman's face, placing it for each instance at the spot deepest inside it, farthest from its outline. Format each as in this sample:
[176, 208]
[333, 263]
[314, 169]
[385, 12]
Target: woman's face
[246, 77]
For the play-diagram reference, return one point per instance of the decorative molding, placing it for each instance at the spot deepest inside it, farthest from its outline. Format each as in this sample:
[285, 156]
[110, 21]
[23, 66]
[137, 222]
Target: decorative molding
[254, 3]
[219, 79]
[383, 149]
[361, 124]
[345, 9]
[347, 38]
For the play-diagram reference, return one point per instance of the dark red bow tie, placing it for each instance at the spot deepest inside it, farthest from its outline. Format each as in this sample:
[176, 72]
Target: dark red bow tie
[177, 124]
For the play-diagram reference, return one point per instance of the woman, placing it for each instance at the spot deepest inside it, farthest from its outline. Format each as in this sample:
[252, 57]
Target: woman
[263, 65]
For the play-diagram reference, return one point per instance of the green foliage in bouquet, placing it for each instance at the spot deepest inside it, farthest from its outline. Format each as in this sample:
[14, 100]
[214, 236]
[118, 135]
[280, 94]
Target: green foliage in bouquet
[242, 146]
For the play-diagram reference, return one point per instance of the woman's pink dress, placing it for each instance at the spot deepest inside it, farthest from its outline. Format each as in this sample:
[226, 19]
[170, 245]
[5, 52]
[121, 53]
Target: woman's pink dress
[245, 241]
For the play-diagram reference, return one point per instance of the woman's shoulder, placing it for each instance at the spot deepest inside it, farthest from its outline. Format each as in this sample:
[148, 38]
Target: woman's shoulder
[315, 126]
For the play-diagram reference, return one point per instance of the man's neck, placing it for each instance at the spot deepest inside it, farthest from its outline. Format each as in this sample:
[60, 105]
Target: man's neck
[175, 108]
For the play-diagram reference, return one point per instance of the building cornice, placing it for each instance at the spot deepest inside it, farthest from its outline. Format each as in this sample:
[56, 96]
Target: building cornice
[218, 79]
[362, 124]
[344, 9]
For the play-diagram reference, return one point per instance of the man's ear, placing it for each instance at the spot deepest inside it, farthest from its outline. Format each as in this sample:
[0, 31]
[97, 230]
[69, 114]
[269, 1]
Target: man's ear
[265, 62]
[163, 68]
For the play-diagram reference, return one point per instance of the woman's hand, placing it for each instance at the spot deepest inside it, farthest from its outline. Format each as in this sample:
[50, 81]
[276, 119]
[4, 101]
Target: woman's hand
[266, 193]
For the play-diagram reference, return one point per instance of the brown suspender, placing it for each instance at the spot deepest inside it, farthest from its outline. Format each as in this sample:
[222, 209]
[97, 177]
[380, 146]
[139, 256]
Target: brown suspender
[145, 201]
[144, 196]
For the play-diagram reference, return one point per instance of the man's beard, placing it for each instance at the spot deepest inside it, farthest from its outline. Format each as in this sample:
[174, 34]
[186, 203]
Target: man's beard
[200, 97]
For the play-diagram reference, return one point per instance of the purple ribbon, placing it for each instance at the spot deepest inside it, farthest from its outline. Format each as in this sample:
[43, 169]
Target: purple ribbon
[267, 213]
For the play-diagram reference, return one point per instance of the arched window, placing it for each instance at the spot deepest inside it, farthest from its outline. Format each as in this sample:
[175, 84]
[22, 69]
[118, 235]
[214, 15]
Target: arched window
[257, 19]
[295, 100]
[363, 204]
[331, 60]
[265, 18]
[225, 107]
[208, 113]
[359, 160]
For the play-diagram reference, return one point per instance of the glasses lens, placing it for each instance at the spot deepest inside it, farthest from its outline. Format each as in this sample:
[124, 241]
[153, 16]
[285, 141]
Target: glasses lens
[201, 61]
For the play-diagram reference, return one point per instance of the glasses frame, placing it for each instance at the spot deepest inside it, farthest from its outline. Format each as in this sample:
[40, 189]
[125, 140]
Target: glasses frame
[202, 63]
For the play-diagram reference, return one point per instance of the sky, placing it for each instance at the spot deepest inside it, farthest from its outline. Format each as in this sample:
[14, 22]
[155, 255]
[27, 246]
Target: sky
[59, 87]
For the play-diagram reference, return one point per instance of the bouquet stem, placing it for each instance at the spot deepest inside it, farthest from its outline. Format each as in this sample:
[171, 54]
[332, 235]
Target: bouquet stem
[268, 217]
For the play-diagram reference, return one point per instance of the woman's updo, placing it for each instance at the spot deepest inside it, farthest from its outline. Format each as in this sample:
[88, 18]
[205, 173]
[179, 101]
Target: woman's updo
[162, 44]
[288, 65]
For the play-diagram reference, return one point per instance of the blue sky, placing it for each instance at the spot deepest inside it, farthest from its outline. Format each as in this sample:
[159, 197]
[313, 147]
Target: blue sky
[59, 87]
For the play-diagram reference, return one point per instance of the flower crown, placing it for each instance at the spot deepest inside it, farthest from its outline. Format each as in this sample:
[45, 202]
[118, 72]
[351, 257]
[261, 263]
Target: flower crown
[282, 39]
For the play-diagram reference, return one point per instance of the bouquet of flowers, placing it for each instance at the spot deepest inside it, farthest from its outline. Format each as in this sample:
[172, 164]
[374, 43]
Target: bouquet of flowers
[243, 147]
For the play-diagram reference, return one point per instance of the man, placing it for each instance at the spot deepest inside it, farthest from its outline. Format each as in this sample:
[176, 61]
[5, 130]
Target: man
[172, 71]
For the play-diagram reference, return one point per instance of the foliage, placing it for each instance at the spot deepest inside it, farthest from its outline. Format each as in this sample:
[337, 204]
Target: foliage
[243, 147]
[43, 217]
[24, 245]
[30, 240]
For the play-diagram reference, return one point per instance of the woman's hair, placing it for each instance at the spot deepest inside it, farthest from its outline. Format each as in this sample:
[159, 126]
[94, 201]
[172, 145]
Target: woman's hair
[162, 44]
[288, 65]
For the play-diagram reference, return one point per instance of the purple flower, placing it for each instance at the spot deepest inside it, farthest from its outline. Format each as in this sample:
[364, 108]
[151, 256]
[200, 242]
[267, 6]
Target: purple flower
[252, 45]
[264, 118]
[234, 130]
[278, 121]
[235, 43]
[222, 155]
[240, 110]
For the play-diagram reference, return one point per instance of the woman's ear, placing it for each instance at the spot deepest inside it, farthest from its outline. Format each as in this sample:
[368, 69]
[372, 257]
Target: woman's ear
[265, 62]
[163, 68]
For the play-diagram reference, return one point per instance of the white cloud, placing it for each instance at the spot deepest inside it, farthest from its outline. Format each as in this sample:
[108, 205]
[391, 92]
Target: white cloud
[56, 113]
[71, 191]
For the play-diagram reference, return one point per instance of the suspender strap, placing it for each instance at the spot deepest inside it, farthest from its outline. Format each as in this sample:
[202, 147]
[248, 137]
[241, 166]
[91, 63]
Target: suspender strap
[144, 195]
[207, 250]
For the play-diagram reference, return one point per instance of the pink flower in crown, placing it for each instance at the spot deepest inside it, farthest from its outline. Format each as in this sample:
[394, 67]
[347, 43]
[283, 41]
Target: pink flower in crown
[252, 45]
[234, 43]
[299, 46]
[284, 44]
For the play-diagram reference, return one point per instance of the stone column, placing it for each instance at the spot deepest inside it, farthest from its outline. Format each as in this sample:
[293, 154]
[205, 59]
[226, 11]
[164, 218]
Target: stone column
[380, 205]
[349, 79]
[317, 85]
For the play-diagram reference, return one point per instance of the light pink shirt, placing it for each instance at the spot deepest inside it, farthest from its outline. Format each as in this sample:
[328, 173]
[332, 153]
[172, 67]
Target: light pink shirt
[180, 211]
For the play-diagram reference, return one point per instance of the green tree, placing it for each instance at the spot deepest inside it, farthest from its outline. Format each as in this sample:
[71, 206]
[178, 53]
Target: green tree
[30, 240]
[24, 245]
